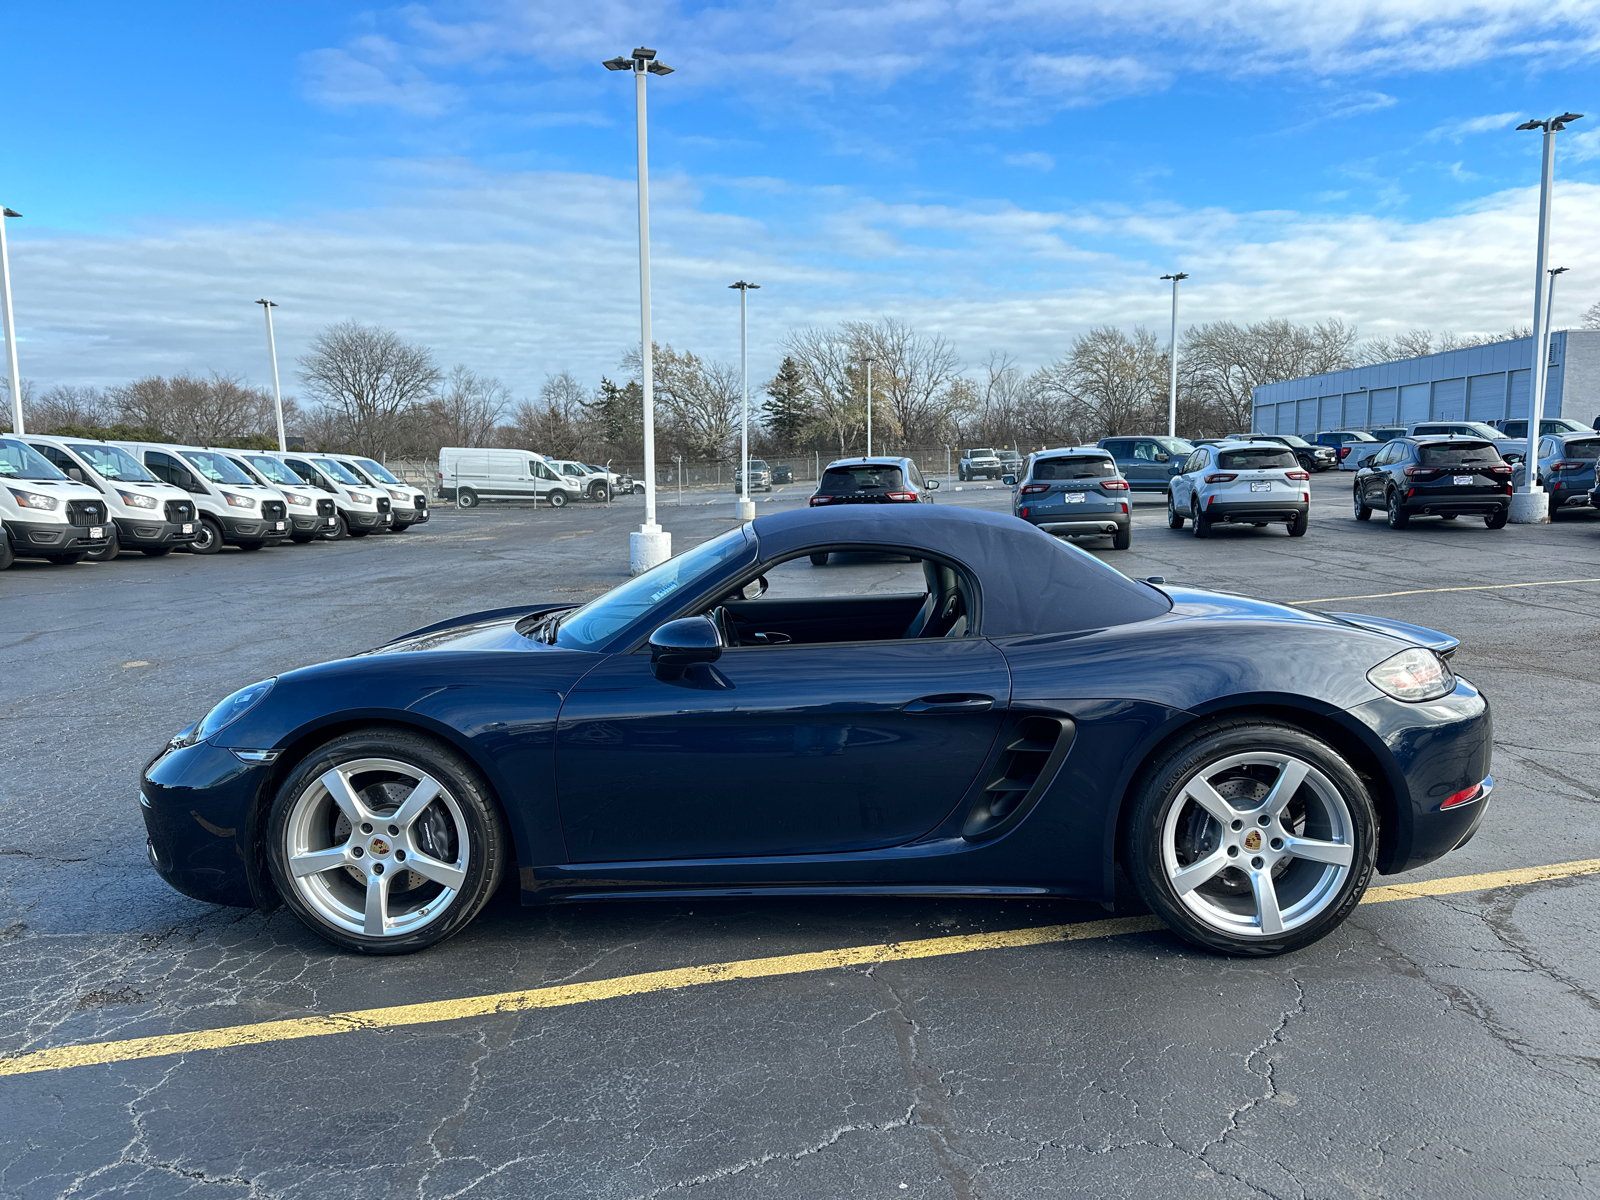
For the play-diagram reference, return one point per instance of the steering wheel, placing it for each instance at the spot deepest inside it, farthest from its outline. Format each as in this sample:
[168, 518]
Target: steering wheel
[723, 620]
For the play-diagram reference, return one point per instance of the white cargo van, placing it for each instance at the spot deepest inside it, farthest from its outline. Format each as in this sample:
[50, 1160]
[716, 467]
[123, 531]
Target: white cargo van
[360, 510]
[469, 475]
[410, 503]
[311, 514]
[234, 509]
[44, 514]
[146, 514]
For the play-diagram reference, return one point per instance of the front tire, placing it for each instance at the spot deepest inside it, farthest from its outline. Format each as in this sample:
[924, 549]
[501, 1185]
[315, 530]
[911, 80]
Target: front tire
[820, 560]
[385, 842]
[108, 552]
[251, 545]
[157, 551]
[558, 499]
[1251, 837]
[207, 537]
[63, 560]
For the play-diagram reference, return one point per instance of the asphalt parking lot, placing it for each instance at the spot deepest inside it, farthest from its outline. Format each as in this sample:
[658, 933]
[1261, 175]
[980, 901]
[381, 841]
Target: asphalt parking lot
[1438, 1044]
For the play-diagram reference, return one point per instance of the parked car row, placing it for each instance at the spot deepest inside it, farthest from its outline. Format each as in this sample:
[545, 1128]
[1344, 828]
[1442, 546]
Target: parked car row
[67, 499]
[1355, 448]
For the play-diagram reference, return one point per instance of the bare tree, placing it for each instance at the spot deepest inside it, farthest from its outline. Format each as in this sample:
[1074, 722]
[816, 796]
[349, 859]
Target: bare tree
[829, 362]
[369, 377]
[214, 411]
[700, 400]
[467, 409]
[1222, 363]
[65, 405]
[1591, 319]
[912, 373]
[558, 424]
[1415, 343]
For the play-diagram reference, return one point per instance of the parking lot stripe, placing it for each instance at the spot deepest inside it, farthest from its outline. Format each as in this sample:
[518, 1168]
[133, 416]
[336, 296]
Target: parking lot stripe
[60, 1058]
[1482, 587]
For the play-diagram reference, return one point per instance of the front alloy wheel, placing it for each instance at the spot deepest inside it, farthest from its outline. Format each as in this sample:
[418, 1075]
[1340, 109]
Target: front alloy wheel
[385, 842]
[1255, 838]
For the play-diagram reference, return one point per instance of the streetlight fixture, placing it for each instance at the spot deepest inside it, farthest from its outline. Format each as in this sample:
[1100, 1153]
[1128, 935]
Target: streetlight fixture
[1172, 354]
[12, 375]
[272, 352]
[649, 545]
[1530, 505]
[746, 507]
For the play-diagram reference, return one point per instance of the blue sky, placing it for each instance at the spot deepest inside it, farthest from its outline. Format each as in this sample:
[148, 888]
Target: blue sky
[1006, 174]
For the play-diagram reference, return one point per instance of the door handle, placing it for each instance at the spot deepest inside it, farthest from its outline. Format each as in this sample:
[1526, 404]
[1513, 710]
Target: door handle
[950, 702]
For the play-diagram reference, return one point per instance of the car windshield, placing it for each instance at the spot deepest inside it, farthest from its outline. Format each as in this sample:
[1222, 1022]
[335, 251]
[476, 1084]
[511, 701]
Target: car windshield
[18, 461]
[215, 467]
[1289, 439]
[112, 463]
[1357, 435]
[1256, 459]
[376, 470]
[337, 470]
[603, 617]
[757, 465]
[1084, 466]
[868, 477]
[1176, 445]
[1010, 456]
[250, 472]
[1478, 429]
[271, 468]
[980, 453]
[1584, 448]
[1457, 454]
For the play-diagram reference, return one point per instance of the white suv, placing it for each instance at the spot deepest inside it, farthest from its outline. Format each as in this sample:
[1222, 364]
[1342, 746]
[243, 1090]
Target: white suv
[1248, 483]
[45, 514]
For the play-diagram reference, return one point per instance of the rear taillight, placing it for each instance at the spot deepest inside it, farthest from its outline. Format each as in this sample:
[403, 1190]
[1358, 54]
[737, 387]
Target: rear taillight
[1116, 485]
[901, 495]
[1464, 796]
[1421, 472]
[1500, 469]
[1343, 450]
[1033, 489]
[1219, 478]
[816, 500]
[1297, 474]
[1568, 464]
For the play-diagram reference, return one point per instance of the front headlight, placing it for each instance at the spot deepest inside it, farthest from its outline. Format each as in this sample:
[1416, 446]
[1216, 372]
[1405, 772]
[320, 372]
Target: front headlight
[296, 499]
[239, 501]
[362, 499]
[1414, 675]
[35, 500]
[231, 709]
[402, 497]
[136, 499]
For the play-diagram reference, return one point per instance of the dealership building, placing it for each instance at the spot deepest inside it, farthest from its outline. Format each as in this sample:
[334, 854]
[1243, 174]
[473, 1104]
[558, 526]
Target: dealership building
[1480, 383]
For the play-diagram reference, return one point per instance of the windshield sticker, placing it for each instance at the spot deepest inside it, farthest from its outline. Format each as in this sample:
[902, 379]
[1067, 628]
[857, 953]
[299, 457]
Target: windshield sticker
[666, 591]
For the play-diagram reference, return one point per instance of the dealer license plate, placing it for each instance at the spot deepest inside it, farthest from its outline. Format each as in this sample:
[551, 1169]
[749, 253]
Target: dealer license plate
[1076, 497]
[279, 525]
[97, 531]
[188, 528]
[333, 520]
[1466, 480]
[1264, 486]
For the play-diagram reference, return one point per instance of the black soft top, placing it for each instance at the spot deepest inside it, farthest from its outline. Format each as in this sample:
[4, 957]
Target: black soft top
[1031, 582]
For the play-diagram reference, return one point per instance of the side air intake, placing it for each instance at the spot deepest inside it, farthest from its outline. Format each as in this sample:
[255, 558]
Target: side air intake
[1029, 762]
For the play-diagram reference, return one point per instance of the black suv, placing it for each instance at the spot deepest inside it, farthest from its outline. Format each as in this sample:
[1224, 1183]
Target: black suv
[1445, 477]
[1312, 458]
[871, 481]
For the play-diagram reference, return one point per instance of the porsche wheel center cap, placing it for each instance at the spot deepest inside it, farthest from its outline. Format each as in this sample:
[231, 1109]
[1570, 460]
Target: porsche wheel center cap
[379, 846]
[1252, 841]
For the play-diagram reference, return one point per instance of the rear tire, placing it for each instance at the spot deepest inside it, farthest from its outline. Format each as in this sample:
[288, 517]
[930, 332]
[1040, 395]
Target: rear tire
[1174, 517]
[1122, 538]
[1497, 520]
[109, 551]
[1398, 517]
[207, 537]
[1208, 794]
[466, 498]
[820, 560]
[1202, 525]
[1298, 526]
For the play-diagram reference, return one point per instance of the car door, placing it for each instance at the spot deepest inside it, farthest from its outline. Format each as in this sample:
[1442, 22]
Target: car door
[1372, 479]
[784, 749]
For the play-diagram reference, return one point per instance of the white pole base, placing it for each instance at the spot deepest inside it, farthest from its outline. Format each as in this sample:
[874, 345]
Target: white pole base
[746, 510]
[1530, 508]
[648, 546]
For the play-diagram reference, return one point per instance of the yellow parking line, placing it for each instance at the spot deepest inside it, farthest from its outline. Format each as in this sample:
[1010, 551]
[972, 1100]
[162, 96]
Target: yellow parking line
[1483, 587]
[95, 1053]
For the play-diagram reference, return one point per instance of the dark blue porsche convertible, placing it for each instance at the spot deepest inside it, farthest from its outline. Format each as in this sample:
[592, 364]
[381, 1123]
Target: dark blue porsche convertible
[996, 713]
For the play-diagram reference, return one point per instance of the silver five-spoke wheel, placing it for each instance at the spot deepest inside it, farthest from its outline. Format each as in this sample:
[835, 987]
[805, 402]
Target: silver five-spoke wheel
[1260, 844]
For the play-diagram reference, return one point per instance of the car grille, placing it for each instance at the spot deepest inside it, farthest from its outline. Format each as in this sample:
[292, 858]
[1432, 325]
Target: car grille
[179, 511]
[86, 512]
[383, 504]
[421, 502]
[325, 508]
[274, 510]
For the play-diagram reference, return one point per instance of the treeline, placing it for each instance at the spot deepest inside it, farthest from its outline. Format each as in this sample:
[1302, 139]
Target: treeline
[367, 390]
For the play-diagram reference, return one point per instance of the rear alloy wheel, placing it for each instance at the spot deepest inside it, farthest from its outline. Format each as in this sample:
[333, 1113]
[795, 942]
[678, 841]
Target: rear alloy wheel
[1298, 526]
[207, 537]
[109, 551]
[466, 498]
[1202, 525]
[1497, 520]
[1398, 517]
[1253, 838]
[385, 842]
[1174, 517]
[1363, 512]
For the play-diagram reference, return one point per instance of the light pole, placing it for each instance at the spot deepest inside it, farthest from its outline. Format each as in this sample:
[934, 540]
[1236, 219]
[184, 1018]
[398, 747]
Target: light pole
[869, 408]
[650, 544]
[13, 377]
[1172, 354]
[272, 352]
[1530, 505]
[746, 508]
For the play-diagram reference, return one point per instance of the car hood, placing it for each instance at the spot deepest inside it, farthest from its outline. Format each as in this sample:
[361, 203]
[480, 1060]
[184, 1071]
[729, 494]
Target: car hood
[1211, 604]
[493, 629]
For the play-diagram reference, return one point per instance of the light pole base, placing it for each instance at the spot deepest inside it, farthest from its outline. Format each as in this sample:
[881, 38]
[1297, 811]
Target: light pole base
[648, 546]
[1530, 508]
[746, 509]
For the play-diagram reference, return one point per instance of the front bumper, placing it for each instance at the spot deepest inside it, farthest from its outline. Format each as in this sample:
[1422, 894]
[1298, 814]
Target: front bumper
[200, 804]
[31, 538]
[137, 533]
[358, 519]
[313, 524]
[252, 529]
[1265, 510]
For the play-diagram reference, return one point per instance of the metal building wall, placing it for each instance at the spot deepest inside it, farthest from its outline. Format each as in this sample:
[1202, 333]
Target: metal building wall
[1480, 383]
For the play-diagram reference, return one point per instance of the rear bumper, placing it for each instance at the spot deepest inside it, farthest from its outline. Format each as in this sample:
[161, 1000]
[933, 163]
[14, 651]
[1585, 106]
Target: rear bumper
[135, 532]
[33, 538]
[1078, 524]
[1447, 505]
[1264, 510]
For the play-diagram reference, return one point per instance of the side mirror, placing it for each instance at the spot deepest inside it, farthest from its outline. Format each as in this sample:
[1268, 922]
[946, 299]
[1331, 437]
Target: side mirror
[1009, 480]
[1162, 456]
[75, 473]
[681, 643]
[933, 485]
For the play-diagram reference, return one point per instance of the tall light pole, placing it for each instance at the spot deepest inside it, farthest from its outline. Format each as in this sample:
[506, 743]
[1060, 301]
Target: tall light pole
[1530, 505]
[746, 507]
[13, 377]
[869, 408]
[1172, 354]
[650, 544]
[272, 352]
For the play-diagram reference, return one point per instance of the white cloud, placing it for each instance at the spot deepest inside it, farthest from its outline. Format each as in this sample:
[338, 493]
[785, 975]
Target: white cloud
[1583, 146]
[373, 70]
[521, 275]
[1456, 130]
[1032, 160]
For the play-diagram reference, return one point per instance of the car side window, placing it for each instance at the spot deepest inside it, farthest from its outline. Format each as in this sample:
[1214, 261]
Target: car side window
[916, 477]
[542, 471]
[1116, 447]
[1194, 462]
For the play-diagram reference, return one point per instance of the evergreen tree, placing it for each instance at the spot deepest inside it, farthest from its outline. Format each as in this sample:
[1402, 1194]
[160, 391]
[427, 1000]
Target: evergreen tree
[620, 411]
[789, 414]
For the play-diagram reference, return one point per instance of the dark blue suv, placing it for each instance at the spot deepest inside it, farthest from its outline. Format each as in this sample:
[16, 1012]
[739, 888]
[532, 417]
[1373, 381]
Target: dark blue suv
[1566, 468]
[1446, 477]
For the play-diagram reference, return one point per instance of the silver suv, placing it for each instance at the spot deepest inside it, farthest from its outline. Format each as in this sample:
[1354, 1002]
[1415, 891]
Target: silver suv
[1247, 483]
[980, 462]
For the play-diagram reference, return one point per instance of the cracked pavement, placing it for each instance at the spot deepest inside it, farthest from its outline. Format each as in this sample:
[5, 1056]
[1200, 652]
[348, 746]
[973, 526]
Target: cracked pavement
[1441, 1046]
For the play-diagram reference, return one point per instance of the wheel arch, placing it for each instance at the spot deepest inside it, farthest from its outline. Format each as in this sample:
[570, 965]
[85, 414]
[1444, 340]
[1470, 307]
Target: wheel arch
[307, 739]
[1357, 744]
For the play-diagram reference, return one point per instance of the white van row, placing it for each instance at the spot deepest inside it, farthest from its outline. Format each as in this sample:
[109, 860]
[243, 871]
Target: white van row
[66, 499]
[468, 475]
